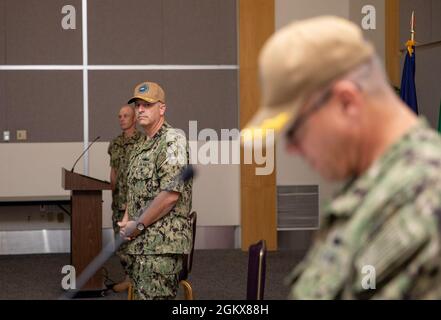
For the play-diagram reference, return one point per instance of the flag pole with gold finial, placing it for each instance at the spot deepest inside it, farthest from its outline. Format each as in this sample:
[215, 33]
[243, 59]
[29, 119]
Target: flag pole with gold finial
[411, 43]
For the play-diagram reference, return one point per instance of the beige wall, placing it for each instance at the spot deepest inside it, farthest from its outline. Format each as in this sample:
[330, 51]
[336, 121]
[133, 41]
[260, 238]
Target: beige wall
[216, 195]
[289, 10]
[293, 170]
[376, 36]
[34, 169]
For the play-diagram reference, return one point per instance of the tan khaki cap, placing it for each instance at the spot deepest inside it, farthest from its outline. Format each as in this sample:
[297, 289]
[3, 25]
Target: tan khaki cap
[148, 91]
[302, 58]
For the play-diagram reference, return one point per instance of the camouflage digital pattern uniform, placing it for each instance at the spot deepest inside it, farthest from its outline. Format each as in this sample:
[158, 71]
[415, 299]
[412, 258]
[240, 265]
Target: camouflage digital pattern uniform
[156, 254]
[119, 151]
[388, 218]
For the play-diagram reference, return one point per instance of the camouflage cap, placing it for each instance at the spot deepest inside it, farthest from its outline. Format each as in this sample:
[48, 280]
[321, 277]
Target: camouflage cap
[148, 91]
[302, 58]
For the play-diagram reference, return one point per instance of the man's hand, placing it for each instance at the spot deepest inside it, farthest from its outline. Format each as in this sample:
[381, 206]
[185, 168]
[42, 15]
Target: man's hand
[128, 229]
[124, 220]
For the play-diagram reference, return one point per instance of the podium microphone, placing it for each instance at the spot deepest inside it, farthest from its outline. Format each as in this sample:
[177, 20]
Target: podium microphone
[81, 155]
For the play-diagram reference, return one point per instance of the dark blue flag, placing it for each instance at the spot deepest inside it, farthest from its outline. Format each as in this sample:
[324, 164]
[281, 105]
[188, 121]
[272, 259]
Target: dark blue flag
[408, 90]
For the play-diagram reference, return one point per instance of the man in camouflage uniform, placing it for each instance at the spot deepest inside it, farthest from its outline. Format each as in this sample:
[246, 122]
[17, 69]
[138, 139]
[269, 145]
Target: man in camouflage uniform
[156, 221]
[119, 151]
[379, 237]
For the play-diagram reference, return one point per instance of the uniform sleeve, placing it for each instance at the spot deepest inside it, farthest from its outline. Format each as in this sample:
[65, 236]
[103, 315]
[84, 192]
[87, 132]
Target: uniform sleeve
[403, 250]
[172, 159]
[112, 151]
[390, 252]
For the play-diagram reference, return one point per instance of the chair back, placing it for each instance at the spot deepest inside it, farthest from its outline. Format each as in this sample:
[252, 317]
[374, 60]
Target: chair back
[256, 271]
[188, 258]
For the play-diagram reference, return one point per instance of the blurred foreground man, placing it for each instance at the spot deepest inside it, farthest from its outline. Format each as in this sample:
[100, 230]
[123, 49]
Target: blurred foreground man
[324, 89]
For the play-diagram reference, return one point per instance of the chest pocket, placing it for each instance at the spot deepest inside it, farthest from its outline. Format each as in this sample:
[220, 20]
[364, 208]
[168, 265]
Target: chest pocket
[114, 157]
[142, 168]
[143, 176]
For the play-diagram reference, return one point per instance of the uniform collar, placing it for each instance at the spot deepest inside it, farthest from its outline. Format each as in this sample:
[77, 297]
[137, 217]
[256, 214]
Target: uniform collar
[160, 132]
[150, 141]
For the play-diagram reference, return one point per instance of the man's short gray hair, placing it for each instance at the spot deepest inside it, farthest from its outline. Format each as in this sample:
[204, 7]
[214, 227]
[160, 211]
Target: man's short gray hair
[369, 76]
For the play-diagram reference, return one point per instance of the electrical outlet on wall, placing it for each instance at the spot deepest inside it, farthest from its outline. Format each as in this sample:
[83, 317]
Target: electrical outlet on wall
[6, 136]
[22, 135]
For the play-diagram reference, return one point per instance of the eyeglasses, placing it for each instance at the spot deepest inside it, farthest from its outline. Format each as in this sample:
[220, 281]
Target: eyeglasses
[292, 133]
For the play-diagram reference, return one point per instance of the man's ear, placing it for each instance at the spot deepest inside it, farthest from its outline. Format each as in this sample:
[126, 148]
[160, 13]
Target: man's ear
[162, 108]
[134, 115]
[349, 96]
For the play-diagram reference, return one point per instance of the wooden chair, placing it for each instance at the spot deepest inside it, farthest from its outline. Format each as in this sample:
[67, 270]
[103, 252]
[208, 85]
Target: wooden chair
[188, 262]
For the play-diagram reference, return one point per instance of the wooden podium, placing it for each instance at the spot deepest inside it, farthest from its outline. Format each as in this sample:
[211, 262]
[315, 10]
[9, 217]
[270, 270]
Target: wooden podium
[86, 223]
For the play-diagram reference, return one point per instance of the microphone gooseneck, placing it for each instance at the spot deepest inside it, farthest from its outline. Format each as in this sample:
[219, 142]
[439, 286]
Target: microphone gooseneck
[82, 154]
